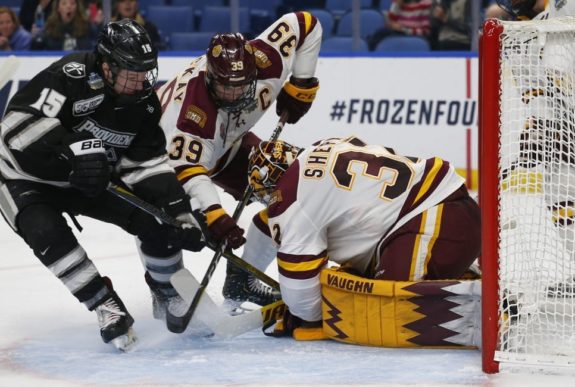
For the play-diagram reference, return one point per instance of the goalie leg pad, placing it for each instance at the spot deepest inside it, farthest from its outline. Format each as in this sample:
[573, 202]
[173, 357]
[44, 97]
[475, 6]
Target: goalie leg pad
[395, 314]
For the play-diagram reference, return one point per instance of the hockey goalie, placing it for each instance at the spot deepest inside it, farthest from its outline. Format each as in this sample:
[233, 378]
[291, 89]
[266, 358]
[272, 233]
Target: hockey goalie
[403, 231]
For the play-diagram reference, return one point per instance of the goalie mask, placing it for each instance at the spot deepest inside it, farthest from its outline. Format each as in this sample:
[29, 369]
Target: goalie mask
[267, 163]
[522, 9]
[231, 72]
[132, 59]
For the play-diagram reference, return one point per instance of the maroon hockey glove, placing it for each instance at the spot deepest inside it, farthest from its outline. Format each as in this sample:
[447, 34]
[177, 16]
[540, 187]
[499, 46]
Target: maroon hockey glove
[222, 228]
[296, 98]
[90, 171]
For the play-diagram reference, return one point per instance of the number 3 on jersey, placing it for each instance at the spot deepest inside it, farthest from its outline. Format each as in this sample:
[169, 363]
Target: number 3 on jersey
[183, 148]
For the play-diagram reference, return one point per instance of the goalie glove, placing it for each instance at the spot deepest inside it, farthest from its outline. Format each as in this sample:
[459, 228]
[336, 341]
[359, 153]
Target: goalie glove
[89, 168]
[286, 324]
[222, 228]
[296, 98]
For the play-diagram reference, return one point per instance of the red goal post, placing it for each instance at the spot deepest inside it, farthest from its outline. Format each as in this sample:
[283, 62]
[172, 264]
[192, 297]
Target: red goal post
[489, 50]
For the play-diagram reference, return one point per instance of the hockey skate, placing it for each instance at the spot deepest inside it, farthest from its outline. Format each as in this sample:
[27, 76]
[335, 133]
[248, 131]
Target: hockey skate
[116, 323]
[165, 297]
[240, 287]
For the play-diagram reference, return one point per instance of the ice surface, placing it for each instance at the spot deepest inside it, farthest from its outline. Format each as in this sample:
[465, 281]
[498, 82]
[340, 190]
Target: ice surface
[49, 339]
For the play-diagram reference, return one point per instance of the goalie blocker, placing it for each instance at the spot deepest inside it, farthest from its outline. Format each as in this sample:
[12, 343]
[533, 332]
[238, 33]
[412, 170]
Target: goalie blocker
[398, 314]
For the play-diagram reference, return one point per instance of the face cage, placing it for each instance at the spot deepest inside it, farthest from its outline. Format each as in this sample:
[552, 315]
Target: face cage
[263, 188]
[243, 100]
[148, 85]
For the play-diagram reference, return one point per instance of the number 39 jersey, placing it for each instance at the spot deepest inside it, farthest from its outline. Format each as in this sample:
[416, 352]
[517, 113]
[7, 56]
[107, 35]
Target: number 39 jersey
[337, 201]
[202, 139]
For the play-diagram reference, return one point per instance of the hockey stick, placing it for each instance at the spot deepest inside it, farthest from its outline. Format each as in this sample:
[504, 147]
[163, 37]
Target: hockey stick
[9, 67]
[221, 324]
[178, 324]
[167, 219]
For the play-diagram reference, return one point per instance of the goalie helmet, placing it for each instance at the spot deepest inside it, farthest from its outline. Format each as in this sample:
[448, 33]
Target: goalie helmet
[231, 72]
[125, 45]
[267, 163]
[522, 9]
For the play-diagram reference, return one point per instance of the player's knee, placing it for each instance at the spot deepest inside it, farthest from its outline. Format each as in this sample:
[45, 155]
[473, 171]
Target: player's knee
[157, 248]
[46, 232]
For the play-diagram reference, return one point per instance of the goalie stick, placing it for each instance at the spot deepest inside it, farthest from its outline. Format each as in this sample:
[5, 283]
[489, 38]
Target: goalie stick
[167, 219]
[178, 324]
[9, 67]
[220, 323]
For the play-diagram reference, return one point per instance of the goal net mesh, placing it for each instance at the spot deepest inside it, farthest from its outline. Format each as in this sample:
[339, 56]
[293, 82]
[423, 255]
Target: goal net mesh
[537, 193]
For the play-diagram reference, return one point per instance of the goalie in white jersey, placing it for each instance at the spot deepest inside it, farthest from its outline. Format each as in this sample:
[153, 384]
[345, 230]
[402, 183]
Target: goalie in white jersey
[375, 213]
[209, 110]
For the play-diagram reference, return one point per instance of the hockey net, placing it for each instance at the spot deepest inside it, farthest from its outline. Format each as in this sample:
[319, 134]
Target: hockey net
[527, 193]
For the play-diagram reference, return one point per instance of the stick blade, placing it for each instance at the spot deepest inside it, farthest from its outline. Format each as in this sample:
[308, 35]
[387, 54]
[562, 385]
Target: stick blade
[8, 69]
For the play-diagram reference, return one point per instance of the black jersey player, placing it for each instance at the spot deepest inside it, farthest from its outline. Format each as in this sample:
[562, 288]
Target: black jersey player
[86, 119]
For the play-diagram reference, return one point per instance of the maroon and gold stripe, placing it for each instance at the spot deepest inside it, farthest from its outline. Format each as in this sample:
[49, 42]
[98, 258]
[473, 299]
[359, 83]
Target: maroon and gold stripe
[435, 171]
[301, 266]
[306, 22]
[261, 221]
[187, 172]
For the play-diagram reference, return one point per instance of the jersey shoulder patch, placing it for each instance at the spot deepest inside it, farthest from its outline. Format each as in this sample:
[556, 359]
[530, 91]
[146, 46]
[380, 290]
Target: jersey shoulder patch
[199, 113]
[74, 70]
[268, 60]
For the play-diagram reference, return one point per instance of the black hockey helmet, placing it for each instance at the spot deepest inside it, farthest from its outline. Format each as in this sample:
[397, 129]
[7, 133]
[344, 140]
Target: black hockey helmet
[268, 161]
[231, 70]
[125, 45]
[522, 9]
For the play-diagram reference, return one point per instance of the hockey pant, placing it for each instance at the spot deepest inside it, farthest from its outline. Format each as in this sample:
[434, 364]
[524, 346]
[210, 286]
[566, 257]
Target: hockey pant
[35, 212]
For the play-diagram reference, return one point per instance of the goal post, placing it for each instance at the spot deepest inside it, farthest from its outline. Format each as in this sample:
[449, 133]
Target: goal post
[489, 63]
[527, 193]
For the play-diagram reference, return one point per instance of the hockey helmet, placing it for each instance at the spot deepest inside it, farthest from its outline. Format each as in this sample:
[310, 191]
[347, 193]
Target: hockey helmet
[268, 162]
[519, 8]
[231, 71]
[125, 45]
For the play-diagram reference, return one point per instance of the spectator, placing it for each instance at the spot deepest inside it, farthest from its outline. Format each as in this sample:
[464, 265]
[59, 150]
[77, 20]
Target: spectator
[67, 28]
[452, 21]
[130, 9]
[13, 37]
[28, 13]
[405, 17]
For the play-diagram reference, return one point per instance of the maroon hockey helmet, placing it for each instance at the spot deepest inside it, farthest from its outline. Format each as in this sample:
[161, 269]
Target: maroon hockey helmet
[231, 71]
[267, 163]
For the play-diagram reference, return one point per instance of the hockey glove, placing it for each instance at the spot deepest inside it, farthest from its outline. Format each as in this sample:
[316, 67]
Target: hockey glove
[296, 98]
[287, 324]
[222, 228]
[90, 171]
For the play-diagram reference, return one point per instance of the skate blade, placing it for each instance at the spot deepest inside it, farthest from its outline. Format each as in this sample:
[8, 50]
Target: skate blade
[234, 308]
[127, 342]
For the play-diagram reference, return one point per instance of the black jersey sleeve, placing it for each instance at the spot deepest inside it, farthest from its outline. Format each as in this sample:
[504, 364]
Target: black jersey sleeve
[144, 167]
[33, 133]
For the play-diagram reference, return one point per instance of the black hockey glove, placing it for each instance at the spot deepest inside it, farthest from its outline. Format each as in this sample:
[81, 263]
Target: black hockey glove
[90, 171]
[286, 324]
[189, 236]
[296, 98]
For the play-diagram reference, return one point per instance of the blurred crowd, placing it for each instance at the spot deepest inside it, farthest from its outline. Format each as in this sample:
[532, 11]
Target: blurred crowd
[67, 25]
